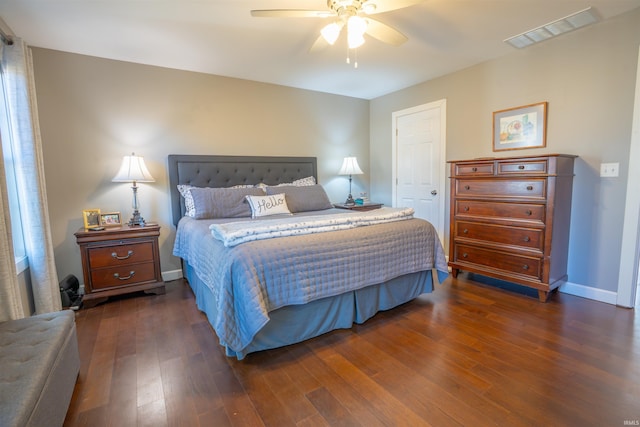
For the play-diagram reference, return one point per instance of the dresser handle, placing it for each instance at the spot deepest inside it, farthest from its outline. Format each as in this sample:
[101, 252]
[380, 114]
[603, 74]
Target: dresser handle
[528, 212]
[527, 239]
[465, 231]
[466, 208]
[115, 255]
[474, 169]
[521, 167]
[131, 274]
[464, 255]
[466, 187]
[529, 187]
[525, 267]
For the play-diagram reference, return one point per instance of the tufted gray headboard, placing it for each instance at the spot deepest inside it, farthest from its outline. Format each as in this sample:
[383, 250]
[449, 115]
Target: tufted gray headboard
[227, 171]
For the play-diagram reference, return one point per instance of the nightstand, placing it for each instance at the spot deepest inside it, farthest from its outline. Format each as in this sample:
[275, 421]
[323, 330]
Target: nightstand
[364, 207]
[119, 260]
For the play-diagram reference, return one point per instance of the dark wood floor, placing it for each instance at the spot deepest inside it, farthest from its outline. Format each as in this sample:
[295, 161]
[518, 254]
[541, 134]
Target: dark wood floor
[468, 354]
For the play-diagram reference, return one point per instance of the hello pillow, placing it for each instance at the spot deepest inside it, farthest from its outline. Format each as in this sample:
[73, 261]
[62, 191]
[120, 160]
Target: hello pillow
[275, 204]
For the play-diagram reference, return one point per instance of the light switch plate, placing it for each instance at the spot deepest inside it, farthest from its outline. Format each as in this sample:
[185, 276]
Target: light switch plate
[609, 169]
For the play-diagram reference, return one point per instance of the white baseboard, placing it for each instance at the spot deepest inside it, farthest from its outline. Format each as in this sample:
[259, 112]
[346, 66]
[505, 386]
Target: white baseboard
[588, 292]
[171, 275]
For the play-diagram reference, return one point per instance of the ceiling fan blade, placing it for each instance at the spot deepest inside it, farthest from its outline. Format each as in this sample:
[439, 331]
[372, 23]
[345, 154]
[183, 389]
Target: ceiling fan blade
[384, 32]
[382, 6]
[318, 45]
[291, 13]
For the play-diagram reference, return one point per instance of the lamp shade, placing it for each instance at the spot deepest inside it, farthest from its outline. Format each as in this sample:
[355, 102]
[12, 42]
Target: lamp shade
[350, 167]
[133, 169]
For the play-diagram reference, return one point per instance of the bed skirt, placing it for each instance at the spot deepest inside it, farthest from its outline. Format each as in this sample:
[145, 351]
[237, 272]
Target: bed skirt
[296, 323]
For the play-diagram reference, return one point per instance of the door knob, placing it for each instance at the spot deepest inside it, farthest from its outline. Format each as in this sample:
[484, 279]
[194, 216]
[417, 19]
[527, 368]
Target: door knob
[434, 192]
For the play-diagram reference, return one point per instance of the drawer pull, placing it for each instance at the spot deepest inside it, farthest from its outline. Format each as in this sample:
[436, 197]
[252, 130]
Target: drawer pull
[520, 167]
[525, 267]
[131, 274]
[527, 239]
[464, 255]
[529, 187]
[466, 208]
[474, 169]
[466, 187]
[115, 255]
[465, 231]
[528, 212]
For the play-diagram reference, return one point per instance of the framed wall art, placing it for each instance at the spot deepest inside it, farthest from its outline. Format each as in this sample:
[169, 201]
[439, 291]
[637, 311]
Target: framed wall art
[91, 218]
[520, 127]
[110, 219]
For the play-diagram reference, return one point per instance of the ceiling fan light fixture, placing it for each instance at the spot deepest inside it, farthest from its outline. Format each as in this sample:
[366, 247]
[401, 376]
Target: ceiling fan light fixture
[331, 32]
[369, 8]
[355, 40]
[356, 27]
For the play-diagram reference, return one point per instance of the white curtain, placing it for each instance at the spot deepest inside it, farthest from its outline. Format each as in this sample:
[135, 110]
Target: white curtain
[24, 128]
[10, 301]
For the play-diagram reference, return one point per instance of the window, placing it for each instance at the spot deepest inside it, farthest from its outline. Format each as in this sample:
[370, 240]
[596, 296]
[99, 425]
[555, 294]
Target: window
[12, 187]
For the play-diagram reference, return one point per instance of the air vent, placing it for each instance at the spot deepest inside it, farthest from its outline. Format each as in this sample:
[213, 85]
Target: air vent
[552, 29]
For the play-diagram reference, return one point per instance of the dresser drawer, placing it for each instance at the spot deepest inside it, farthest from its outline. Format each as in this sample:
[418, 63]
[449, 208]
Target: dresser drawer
[499, 210]
[499, 234]
[474, 169]
[106, 256]
[519, 188]
[123, 275]
[523, 167]
[508, 262]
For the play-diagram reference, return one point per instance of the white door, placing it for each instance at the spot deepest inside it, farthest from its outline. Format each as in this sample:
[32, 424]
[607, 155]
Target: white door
[419, 169]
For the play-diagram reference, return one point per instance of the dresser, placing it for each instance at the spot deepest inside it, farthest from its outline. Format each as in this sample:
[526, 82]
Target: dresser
[119, 260]
[510, 217]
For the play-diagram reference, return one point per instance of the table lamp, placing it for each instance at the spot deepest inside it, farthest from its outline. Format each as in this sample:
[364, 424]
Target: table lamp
[134, 170]
[350, 167]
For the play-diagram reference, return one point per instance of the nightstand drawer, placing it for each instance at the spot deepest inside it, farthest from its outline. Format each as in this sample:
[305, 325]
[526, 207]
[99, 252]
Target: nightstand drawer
[107, 256]
[122, 276]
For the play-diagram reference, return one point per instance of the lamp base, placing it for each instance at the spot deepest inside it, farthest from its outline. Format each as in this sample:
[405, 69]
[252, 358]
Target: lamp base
[136, 220]
[350, 200]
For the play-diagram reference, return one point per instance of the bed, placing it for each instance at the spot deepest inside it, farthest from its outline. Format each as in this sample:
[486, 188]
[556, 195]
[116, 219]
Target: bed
[298, 282]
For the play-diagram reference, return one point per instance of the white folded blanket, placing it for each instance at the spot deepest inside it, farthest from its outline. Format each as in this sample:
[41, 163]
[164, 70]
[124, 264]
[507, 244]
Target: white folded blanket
[234, 233]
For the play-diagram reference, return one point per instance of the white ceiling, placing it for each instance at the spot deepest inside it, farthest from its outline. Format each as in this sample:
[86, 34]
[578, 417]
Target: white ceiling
[220, 37]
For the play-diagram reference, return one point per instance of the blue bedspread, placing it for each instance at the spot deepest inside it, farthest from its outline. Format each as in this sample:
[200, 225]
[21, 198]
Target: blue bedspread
[252, 279]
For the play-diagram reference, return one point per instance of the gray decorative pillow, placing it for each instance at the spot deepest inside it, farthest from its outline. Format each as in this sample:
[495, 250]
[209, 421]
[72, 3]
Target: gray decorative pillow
[303, 199]
[222, 202]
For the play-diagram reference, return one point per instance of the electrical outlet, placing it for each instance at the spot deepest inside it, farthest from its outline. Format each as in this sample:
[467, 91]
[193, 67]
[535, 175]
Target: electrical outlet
[609, 169]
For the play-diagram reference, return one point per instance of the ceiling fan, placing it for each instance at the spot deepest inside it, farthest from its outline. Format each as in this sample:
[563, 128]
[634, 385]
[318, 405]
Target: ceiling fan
[355, 15]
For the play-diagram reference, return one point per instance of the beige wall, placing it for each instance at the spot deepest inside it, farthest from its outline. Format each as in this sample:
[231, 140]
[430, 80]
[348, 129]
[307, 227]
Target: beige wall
[588, 79]
[94, 111]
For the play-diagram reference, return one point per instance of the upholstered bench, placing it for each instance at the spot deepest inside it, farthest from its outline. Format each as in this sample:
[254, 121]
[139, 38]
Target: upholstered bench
[39, 365]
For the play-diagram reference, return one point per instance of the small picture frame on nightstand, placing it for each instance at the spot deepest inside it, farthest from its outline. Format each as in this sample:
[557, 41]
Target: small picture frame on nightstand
[110, 219]
[91, 218]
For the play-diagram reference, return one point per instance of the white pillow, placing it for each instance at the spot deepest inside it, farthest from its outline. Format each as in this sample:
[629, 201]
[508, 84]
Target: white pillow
[268, 205]
[304, 181]
[189, 206]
